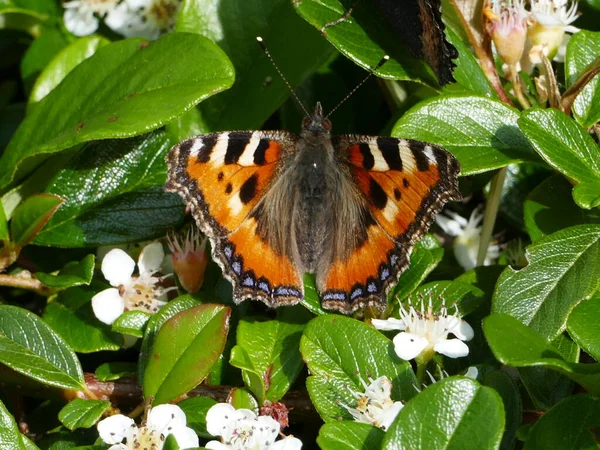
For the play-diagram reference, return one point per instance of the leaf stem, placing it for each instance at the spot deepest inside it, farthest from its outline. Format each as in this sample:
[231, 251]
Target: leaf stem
[25, 280]
[491, 211]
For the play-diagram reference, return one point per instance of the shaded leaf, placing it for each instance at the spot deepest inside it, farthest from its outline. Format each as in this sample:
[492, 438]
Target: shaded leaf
[31, 216]
[425, 257]
[10, 436]
[195, 409]
[132, 323]
[79, 413]
[584, 327]
[350, 435]
[115, 370]
[72, 274]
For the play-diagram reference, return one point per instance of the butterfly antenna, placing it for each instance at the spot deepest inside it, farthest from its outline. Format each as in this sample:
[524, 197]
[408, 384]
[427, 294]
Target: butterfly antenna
[378, 66]
[266, 50]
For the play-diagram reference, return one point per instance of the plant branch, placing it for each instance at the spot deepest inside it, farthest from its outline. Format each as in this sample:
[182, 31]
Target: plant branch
[25, 280]
[491, 211]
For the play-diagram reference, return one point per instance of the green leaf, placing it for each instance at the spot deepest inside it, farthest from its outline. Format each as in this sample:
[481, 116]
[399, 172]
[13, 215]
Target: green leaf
[481, 141]
[466, 297]
[454, 413]
[63, 63]
[425, 257]
[269, 356]
[80, 413]
[113, 191]
[582, 50]
[72, 317]
[242, 398]
[508, 390]
[311, 300]
[296, 47]
[4, 235]
[125, 89]
[115, 370]
[31, 216]
[569, 425]
[30, 347]
[550, 208]
[132, 323]
[195, 409]
[155, 323]
[10, 436]
[186, 348]
[72, 274]
[563, 269]
[506, 336]
[584, 327]
[339, 352]
[350, 435]
[363, 39]
[568, 148]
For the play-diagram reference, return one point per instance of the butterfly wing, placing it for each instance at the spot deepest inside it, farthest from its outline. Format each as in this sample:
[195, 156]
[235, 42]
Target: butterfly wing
[223, 177]
[404, 184]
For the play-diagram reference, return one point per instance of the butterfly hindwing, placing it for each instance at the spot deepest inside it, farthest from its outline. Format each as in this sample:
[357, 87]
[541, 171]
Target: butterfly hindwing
[223, 178]
[404, 184]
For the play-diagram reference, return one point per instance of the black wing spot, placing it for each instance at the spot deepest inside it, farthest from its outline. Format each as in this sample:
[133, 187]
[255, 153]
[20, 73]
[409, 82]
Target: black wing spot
[208, 144]
[236, 143]
[418, 150]
[228, 188]
[220, 176]
[368, 160]
[405, 182]
[390, 149]
[259, 153]
[397, 194]
[377, 195]
[248, 189]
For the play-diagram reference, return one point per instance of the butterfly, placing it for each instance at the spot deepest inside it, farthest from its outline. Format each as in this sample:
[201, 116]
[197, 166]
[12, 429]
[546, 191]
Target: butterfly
[345, 208]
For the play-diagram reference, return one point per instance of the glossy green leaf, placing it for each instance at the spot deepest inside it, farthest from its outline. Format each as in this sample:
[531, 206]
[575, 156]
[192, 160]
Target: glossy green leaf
[10, 436]
[454, 413]
[363, 39]
[72, 317]
[258, 90]
[569, 425]
[339, 351]
[115, 370]
[125, 89]
[508, 390]
[584, 327]
[113, 192]
[311, 300]
[481, 133]
[568, 148]
[131, 323]
[582, 50]
[72, 274]
[30, 347]
[550, 207]
[4, 235]
[63, 63]
[269, 356]
[31, 216]
[242, 398]
[425, 257]
[186, 348]
[506, 336]
[195, 409]
[153, 326]
[80, 413]
[466, 297]
[482, 277]
[350, 435]
[563, 269]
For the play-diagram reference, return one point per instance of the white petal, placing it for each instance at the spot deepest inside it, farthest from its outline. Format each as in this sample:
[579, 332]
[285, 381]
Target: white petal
[135, 4]
[113, 429]
[465, 252]
[128, 340]
[118, 447]
[459, 328]
[390, 324]
[390, 414]
[217, 417]
[80, 24]
[118, 16]
[472, 372]
[289, 443]
[117, 267]
[162, 417]
[108, 305]
[151, 258]
[186, 437]
[216, 445]
[453, 348]
[266, 431]
[409, 346]
[450, 226]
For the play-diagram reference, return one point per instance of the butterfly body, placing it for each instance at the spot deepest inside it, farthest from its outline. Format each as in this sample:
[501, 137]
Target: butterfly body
[346, 208]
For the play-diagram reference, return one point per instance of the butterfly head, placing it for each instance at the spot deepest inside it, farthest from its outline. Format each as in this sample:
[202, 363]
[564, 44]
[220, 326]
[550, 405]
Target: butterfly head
[316, 124]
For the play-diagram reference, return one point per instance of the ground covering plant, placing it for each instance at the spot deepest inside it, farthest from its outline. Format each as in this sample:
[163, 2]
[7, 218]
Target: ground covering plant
[117, 329]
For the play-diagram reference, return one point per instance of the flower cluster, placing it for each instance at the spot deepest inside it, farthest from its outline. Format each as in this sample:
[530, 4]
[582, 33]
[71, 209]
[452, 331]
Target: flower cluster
[375, 406]
[131, 18]
[242, 429]
[123, 434]
[424, 332]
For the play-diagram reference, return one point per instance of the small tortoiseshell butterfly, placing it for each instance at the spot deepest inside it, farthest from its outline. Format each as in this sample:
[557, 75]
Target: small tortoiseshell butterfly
[346, 208]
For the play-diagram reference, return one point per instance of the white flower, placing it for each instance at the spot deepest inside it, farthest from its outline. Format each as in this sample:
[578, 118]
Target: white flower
[163, 420]
[130, 291]
[468, 234]
[427, 332]
[242, 429]
[375, 406]
[149, 18]
[82, 16]
[189, 258]
[554, 12]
